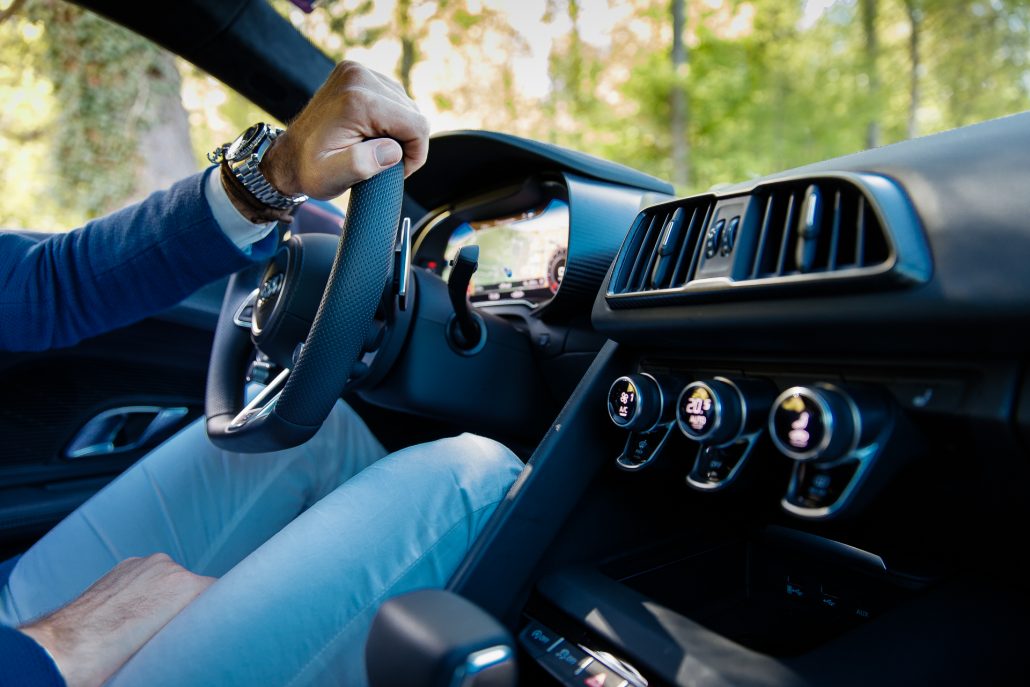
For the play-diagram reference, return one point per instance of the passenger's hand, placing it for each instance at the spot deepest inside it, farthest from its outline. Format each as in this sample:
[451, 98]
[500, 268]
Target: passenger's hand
[357, 124]
[93, 636]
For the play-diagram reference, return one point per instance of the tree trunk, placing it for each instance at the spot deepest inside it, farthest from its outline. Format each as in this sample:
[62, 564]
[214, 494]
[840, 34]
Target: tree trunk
[915, 23]
[167, 154]
[872, 54]
[680, 112]
[575, 80]
[11, 10]
[406, 34]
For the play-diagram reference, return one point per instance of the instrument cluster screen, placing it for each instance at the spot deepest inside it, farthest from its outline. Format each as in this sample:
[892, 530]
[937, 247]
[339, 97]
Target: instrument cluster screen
[521, 257]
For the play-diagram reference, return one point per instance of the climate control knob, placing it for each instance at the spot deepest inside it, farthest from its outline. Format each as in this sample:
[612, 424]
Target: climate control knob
[635, 402]
[719, 410]
[822, 422]
[710, 412]
[845, 444]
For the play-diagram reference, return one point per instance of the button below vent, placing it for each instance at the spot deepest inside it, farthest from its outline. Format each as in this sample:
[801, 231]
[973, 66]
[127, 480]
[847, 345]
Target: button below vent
[845, 228]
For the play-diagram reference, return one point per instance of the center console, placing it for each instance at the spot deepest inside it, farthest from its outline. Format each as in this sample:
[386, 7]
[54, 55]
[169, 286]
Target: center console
[821, 449]
[711, 521]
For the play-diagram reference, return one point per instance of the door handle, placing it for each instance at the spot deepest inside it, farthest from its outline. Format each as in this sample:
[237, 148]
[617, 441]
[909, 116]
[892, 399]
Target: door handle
[120, 430]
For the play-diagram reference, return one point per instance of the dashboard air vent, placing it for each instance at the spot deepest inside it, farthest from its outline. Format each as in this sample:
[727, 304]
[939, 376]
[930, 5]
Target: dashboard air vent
[842, 230]
[662, 248]
[815, 227]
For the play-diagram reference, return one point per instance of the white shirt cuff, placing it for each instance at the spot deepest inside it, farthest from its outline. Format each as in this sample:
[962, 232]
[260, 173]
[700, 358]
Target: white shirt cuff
[238, 228]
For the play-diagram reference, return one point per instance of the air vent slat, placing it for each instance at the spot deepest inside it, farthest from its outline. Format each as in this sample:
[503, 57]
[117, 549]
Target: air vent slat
[763, 238]
[668, 249]
[632, 248]
[689, 241]
[645, 275]
[696, 256]
[860, 233]
[834, 232]
[788, 231]
[634, 274]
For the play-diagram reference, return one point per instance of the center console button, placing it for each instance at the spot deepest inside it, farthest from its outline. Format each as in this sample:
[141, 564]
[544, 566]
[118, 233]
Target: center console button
[816, 487]
[538, 639]
[565, 661]
[642, 447]
[712, 239]
[715, 464]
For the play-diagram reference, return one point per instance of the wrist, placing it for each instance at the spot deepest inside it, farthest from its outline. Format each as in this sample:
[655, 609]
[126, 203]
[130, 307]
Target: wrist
[278, 166]
[257, 180]
[40, 634]
[43, 635]
[246, 203]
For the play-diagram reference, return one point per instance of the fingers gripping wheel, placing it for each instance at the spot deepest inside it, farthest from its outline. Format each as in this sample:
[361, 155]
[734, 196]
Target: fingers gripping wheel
[292, 411]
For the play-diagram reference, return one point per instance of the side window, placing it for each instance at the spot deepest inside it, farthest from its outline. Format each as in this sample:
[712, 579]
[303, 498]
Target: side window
[95, 117]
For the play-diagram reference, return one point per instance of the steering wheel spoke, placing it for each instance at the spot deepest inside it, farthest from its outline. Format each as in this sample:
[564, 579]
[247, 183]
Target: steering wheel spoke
[244, 315]
[262, 404]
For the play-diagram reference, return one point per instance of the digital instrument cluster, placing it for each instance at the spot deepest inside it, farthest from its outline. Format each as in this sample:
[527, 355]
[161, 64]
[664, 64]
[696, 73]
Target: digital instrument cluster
[521, 257]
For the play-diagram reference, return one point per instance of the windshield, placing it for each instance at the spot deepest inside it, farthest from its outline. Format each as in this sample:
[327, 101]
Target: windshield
[700, 92]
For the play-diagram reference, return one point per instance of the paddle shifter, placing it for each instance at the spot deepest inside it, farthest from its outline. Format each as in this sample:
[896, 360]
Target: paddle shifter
[466, 331]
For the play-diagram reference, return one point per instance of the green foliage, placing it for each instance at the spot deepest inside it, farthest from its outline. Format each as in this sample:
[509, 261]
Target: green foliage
[783, 94]
[80, 96]
[105, 82]
[979, 53]
[768, 83]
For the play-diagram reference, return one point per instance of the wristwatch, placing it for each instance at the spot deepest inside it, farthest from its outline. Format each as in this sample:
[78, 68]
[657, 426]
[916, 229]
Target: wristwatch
[241, 166]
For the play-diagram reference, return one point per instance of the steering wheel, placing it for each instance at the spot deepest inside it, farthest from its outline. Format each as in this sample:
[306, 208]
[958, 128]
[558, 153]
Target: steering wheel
[294, 405]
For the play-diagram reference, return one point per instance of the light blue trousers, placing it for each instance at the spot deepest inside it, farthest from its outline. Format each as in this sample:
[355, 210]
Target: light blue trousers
[306, 544]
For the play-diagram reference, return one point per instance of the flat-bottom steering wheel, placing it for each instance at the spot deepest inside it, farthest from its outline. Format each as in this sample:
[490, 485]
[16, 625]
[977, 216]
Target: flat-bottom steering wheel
[294, 405]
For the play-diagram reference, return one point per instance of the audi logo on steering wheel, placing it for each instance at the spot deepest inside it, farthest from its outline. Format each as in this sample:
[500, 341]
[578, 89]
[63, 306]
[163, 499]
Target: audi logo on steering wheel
[272, 286]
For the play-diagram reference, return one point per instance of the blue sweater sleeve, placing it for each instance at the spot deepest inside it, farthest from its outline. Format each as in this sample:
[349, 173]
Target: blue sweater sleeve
[114, 271]
[23, 663]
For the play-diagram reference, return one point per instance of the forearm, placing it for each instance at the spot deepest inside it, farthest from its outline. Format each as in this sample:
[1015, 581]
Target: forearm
[115, 270]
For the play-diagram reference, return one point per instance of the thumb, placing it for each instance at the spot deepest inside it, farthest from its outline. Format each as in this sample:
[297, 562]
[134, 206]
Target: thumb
[364, 160]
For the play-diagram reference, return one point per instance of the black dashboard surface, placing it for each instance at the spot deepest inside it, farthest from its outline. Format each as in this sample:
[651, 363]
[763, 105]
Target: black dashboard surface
[471, 162]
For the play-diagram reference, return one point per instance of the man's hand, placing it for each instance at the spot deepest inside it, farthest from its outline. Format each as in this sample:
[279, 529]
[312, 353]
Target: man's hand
[357, 124]
[93, 636]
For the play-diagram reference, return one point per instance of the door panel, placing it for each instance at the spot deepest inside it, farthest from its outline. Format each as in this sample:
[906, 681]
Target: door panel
[51, 396]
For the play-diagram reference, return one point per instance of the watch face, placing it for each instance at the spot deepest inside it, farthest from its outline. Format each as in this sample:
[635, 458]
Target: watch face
[244, 144]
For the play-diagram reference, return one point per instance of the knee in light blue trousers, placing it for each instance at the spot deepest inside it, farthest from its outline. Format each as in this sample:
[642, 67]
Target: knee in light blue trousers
[306, 544]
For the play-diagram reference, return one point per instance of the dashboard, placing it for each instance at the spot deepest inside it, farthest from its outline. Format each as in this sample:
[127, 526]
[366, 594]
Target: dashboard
[803, 443]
